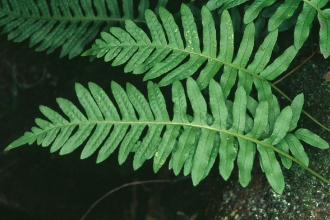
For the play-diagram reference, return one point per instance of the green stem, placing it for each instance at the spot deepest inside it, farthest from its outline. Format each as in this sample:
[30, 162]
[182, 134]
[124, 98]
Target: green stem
[306, 113]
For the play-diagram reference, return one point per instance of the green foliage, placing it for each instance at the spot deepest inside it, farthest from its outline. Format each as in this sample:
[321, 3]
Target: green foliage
[69, 24]
[203, 136]
[158, 57]
[226, 120]
[280, 14]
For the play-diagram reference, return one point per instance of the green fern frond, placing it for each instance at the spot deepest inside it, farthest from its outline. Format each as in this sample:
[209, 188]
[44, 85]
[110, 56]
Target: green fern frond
[165, 54]
[285, 11]
[191, 142]
[67, 24]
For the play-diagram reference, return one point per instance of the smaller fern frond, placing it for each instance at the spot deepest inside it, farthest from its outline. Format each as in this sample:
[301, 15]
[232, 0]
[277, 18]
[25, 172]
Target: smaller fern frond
[67, 24]
[166, 54]
[303, 23]
[282, 12]
[233, 129]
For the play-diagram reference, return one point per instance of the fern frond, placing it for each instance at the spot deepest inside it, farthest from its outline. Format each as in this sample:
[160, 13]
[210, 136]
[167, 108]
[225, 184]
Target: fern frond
[304, 21]
[285, 11]
[166, 53]
[223, 127]
[67, 24]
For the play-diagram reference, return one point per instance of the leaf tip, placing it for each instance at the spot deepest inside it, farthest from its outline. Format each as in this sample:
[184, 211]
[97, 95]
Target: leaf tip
[8, 148]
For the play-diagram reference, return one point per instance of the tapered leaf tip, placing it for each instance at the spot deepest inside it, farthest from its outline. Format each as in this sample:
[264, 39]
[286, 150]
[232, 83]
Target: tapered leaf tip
[114, 84]
[176, 83]
[195, 182]
[91, 84]
[129, 85]
[78, 86]
[100, 158]
[9, 147]
[190, 81]
[148, 11]
[311, 138]
[205, 10]
[42, 108]
[280, 190]
[300, 97]
[162, 11]
[87, 52]
[60, 100]
[65, 151]
[184, 7]
[28, 137]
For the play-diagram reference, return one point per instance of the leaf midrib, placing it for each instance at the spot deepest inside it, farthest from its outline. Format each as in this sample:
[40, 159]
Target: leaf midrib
[167, 123]
[181, 124]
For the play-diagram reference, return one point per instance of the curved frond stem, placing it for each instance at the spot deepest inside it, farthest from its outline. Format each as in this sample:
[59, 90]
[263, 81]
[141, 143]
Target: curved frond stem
[303, 111]
[294, 70]
[288, 98]
[205, 127]
[315, 120]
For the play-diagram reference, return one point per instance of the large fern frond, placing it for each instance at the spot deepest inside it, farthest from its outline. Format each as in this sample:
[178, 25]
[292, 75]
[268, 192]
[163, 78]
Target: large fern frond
[166, 53]
[281, 12]
[233, 129]
[67, 24]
